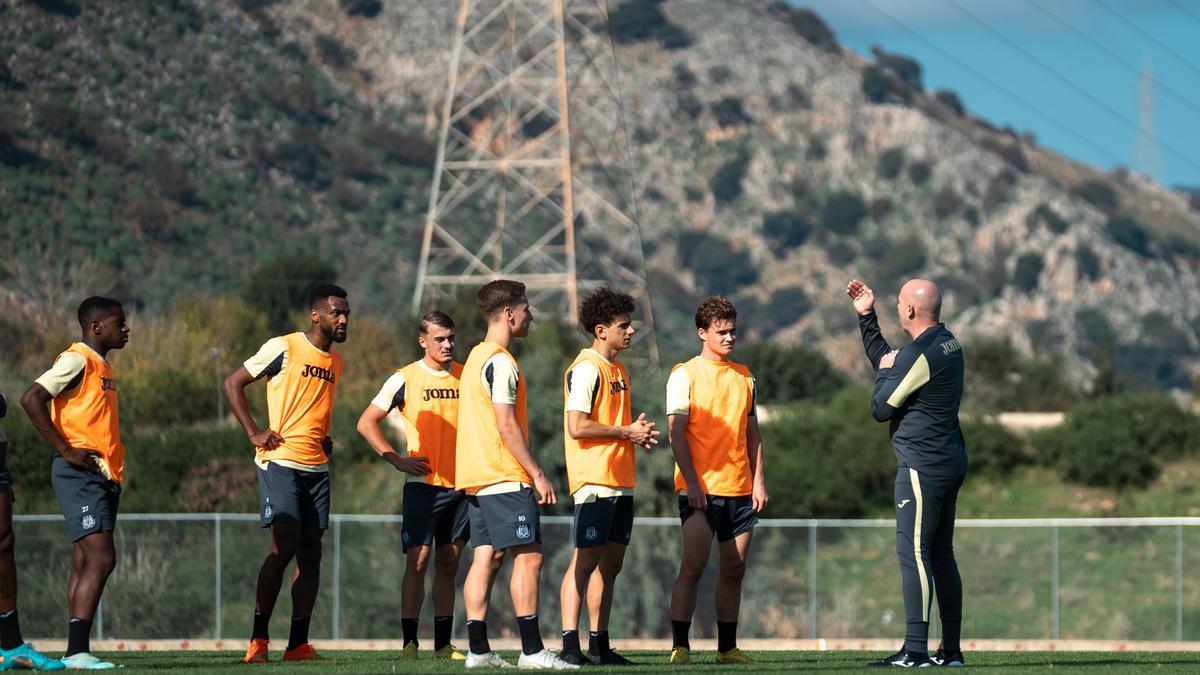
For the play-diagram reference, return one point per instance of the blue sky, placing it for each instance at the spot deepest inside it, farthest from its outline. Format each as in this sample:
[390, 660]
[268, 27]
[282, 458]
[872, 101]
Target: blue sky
[1067, 70]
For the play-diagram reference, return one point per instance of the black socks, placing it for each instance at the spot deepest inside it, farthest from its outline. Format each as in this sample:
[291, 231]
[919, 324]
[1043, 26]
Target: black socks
[726, 636]
[570, 642]
[10, 631]
[409, 628]
[598, 642]
[299, 633]
[531, 634]
[477, 639]
[679, 634]
[441, 631]
[261, 621]
[79, 635]
[951, 636]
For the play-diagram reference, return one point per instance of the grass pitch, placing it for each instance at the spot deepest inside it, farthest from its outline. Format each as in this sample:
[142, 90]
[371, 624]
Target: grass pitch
[655, 662]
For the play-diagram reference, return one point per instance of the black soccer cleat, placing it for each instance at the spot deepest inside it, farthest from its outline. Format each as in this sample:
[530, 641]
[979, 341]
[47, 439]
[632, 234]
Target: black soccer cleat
[943, 658]
[904, 659]
[608, 658]
[573, 657]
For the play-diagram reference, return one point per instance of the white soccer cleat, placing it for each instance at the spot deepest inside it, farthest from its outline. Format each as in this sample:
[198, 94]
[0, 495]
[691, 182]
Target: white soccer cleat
[488, 660]
[85, 661]
[544, 660]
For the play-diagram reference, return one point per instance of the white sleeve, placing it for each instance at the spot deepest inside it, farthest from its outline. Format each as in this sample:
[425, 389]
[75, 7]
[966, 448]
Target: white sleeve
[500, 377]
[679, 393]
[62, 373]
[391, 395]
[270, 359]
[581, 387]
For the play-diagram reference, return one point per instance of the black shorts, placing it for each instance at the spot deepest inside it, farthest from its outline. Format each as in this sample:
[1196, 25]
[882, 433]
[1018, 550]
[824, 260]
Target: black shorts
[288, 495]
[505, 520]
[89, 501]
[433, 516]
[727, 516]
[5, 474]
[603, 520]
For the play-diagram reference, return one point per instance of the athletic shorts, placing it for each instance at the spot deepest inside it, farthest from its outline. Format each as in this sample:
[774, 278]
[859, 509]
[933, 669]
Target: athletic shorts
[433, 516]
[727, 516]
[5, 474]
[504, 520]
[89, 501]
[288, 495]
[603, 520]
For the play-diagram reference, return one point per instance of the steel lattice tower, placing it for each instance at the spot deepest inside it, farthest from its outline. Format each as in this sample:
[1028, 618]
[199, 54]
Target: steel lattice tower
[533, 178]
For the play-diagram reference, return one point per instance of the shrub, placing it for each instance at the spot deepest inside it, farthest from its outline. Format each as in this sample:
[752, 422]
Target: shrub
[718, 267]
[720, 74]
[729, 113]
[1008, 150]
[971, 215]
[998, 189]
[333, 53]
[1129, 233]
[684, 77]
[348, 195]
[165, 396]
[843, 212]
[365, 8]
[946, 203]
[840, 252]
[902, 258]
[782, 308]
[406, 147]
[352, 159]
[1087, 263]
[890, 163]
[879, 208]
[786, 229]
[950, 99]
[171, 178]
[643, 21]
[807, 24]
[788, 373]
[1049, 217]
[919, 172]
[280, 286]
[797, 97]
[689, 105]
[816, 148]
[302, 154]
[880, 87]
[726, 183]
[905, 69]
[1098, 194]
[991, 449]
[67, 8]
[66, 122]
[1027, 271]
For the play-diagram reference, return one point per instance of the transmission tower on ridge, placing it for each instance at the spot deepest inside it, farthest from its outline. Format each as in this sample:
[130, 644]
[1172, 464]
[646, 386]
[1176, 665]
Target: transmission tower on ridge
[533, 178]
[1146, 156]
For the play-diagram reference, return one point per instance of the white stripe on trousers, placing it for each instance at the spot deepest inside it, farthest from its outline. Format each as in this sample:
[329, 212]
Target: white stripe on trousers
[916, 486]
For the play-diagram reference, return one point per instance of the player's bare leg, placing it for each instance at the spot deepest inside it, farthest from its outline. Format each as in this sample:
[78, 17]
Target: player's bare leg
[412, 587]
[307, 579]
[285, 539]
[8, 564]
[733, 554]
[526, 570]
[99, 558]
[477, 588]
[697, 541]
[577, 583]
[445, 570]
[600, 591]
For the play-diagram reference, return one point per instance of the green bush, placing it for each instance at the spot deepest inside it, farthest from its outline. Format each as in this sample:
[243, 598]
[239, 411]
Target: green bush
[993, 450]
[643, 21]
[880, 87]
[879, 208]
[998, 189]
[946, 203]
[1027, 271]
[1087, 263]
[905, 69]
[1097, 193]
[890, 163]
[789, 373]
[816, 150]
[807, 24]
[365, 8]
[729, 112]
[830, 461]
[333, 53]
[786, 229]
[726, 183]
[784, 307]
[843, 212]
[1129, 233]
[1049, 217]
[165, 396]
[902, 258]
[919, 172]
[280, 286]
[950, 99]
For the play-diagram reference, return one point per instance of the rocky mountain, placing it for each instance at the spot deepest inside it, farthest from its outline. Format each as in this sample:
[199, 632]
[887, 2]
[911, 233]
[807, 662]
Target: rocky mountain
[771, 165]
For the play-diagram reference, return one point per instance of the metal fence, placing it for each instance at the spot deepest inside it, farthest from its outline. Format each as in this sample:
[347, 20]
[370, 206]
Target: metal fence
[193, 576]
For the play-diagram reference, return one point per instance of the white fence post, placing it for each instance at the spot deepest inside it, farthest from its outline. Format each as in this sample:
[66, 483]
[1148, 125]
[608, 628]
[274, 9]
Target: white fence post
[1179, 583]
[812, 577]
[217, 576]
[1054, 595]
[337, 577]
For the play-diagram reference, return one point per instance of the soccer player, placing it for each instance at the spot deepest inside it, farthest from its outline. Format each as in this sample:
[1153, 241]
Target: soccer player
[918, 389]
[292, 455]
[718, 450]
[74, 406]
[435, 514]
[503, 481]
[14, 651]
[600, 436]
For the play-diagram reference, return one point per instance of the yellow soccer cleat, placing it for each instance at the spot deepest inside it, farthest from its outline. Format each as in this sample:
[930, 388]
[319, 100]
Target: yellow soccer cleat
[680, 656]
[409, 651]
[449, 652]
[733, 656]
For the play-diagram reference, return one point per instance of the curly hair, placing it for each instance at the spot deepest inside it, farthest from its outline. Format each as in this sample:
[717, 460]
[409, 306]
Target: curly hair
[603, 307]
[715, 308]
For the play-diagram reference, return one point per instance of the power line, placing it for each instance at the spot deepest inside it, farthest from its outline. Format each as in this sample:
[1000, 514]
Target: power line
[1062, 126]
[1114, 55]
[1167, 48]
[1116, 114]
[1185, 10]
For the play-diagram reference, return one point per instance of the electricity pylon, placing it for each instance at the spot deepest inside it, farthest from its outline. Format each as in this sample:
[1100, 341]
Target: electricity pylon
[533, 178]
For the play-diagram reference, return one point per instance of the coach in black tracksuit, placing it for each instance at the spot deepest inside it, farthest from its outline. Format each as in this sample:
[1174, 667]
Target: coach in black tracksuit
[918, 389]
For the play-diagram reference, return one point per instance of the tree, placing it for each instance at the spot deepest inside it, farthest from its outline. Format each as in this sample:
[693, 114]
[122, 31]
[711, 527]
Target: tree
[281, 285]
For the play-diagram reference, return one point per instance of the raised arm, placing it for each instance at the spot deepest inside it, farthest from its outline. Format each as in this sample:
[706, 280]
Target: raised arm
[868, 322]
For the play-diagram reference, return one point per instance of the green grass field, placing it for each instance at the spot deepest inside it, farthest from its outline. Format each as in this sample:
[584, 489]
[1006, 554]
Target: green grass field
[386, 662]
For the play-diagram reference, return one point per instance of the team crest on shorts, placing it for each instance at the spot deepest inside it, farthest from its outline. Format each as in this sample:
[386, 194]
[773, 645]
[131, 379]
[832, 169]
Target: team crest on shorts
[267, 511]
[88, 522]
[523, 531]
[590, 534]
[404, 537]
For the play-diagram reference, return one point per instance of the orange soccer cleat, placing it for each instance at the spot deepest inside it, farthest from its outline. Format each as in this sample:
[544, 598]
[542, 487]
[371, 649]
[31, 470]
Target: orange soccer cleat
[305, 652]
[257, 653]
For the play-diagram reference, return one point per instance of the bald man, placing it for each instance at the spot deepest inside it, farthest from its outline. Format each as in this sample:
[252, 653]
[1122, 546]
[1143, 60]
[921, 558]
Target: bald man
[918, 388]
